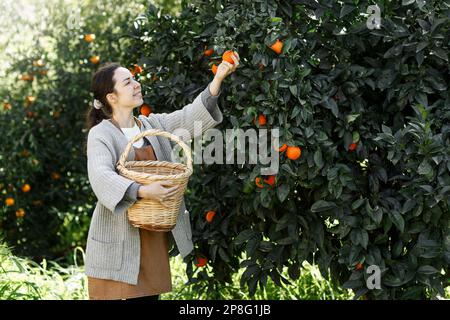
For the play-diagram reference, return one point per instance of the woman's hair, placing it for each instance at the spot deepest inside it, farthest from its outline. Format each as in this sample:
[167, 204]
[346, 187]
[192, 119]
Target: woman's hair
[102, 83]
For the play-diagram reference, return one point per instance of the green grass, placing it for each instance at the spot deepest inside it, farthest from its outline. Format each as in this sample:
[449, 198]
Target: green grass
[24, 279]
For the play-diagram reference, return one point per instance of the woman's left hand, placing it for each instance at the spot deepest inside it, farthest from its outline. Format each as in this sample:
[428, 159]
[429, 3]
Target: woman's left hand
[225, 68]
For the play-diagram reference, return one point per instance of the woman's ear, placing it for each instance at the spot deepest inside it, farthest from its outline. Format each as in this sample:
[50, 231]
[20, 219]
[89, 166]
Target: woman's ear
[111, 98]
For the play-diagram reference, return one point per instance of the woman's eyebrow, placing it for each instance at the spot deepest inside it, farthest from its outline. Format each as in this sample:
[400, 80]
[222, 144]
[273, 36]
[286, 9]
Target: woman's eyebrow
[126, 79]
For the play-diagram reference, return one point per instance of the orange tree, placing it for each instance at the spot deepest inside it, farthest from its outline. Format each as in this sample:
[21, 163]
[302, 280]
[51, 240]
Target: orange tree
[367, 109]
[45, 195]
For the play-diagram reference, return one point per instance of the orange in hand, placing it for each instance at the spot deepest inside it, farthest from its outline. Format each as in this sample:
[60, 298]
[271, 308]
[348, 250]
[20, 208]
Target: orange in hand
[227, 56]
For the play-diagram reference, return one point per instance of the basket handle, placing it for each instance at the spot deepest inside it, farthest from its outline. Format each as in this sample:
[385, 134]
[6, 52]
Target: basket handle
[157, 132]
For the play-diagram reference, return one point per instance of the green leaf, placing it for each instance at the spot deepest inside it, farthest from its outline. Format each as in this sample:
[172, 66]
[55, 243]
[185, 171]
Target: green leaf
[397, 220]
[441, 53]
[427, 270]
[318, 158]
[407, 2]
[283, 191]
[322, 205]
[244, 236]
[425, 168]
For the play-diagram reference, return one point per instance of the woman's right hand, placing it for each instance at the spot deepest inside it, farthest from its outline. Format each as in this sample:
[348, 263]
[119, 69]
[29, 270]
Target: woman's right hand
[158, 190]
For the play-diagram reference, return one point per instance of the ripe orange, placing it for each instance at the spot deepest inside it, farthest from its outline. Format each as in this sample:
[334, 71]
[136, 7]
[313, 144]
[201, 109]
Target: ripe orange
[30, 99]
[89, 37]
[26, 188]
[214, 68]
[352, 146]
[38, 63]
[358, 266]
[277, 47]
[283, 148]
[208, 52]
[20, 213]
[262, 120]
[95, 59]
[201, 262]
[25, 153]
[7, 106]
[210, 215]
[27, 77]
[137, 69]
[293, 152]
[258, 182]
[270, 180]
[55, 176]
[146, 110]
[9, 202]
[227, 56]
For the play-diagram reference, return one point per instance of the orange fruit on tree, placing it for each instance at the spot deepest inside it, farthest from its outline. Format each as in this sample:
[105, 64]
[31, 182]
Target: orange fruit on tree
[359, 266]
[283, 148]
[352, 146]
[201, 261]
[25, 153]
[89, 37]
[26, 188]
[95, 59]
[27, 77]
[262, 120]
[277, 47]
[7, 106]
[258, 182]
[55, 176]
[227, 56]
[30, 99]
[214, 68]
[146, 110]
[210, 215]
[9, 202]
[208, 52]
[38, 63]
[20, 213]
[270, 180]
[293, 152]
[137, 69]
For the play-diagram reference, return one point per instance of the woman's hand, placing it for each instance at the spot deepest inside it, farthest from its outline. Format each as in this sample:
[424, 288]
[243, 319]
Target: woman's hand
[158, 190]
[225, 68]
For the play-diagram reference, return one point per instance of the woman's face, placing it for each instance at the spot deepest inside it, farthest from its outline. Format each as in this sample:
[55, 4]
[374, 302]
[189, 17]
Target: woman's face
[128, 91]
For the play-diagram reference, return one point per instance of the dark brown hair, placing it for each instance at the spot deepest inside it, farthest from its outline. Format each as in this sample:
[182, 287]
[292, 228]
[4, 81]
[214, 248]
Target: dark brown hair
[102, 83]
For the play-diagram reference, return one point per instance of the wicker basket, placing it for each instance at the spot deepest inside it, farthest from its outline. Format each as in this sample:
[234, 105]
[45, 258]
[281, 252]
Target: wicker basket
[152, 214]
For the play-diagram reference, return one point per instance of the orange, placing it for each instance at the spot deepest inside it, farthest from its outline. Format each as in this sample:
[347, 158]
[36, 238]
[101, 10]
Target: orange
[55, 176]
[262, 120]
[27, 77]
[208, 52]
[210, 215]
[9, 202]
[227, 56]
[20, 213]
[137, 69]
[201, 262]
[214, 68]
[25, 153]
[7, 106]
[95, 59]
[283, 148]
[359, 266]
[270, 180]
[26, 188]
[146, 110]
[352, 146]
[277, 47]
[258, 182]
[30, 99]
[293, 153]
[38, 63]
[89, 37]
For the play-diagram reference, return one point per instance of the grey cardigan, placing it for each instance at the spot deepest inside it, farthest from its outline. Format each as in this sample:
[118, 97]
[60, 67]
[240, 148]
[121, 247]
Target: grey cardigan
[113, 244]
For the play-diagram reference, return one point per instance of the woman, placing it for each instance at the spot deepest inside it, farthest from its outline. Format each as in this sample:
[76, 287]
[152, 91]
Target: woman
[122, 261]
